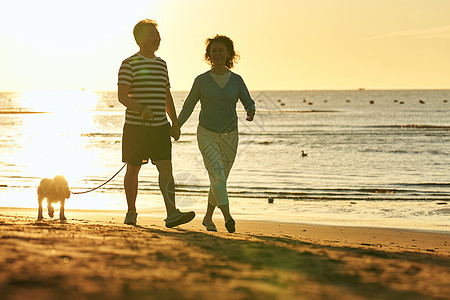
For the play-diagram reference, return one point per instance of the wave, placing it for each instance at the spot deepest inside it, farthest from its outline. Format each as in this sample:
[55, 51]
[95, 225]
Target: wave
[329, 194]
[102, 134]
[402, 192]
[409, 151]
[19, 112]
[290, 111]
[426, 184]
[413, 126]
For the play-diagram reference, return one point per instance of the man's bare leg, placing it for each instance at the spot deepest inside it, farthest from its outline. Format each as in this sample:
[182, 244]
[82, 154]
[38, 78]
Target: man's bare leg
[166, 184]
[131, 186]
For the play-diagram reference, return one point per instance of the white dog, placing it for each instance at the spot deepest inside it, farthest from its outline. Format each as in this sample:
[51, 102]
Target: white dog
[55, 190]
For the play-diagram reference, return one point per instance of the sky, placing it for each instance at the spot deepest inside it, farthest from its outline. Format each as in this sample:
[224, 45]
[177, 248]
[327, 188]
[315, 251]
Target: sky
[283, 44]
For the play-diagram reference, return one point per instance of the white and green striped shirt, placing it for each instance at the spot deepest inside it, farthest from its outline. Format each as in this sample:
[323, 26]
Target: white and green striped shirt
[148, 79]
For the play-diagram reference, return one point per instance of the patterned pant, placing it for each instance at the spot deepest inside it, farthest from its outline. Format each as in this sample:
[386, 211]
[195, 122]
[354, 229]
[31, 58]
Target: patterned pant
[218, 151]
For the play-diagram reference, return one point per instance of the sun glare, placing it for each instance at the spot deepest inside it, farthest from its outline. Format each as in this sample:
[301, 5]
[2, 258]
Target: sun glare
[53, 142]
[58, 101]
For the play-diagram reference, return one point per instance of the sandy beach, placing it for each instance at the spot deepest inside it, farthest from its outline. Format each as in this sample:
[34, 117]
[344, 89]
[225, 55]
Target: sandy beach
[94, 256]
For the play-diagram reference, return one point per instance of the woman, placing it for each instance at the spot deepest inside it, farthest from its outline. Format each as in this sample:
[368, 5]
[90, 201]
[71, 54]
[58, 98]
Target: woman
[217, 134]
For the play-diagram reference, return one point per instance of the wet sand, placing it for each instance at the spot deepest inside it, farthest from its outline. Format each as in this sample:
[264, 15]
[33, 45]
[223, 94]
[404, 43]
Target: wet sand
[95, 256]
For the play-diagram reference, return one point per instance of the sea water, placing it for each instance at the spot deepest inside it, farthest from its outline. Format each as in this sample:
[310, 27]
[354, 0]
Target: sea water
[375, 156]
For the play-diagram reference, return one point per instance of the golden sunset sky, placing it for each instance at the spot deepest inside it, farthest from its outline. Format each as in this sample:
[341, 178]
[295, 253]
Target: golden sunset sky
[284, 44]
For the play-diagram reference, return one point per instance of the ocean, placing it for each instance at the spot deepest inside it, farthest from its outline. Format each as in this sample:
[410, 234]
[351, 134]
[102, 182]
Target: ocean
[374, 157]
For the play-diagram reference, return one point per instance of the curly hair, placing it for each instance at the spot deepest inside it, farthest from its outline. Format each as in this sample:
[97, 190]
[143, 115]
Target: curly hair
[232, 59]
[138, 30]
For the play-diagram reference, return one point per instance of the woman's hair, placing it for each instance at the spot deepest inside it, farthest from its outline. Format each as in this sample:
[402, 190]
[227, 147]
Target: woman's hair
[232, 59]
[138, 30]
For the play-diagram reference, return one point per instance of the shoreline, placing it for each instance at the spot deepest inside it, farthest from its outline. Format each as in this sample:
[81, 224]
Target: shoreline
[95, 256]
[415, 240]
[414, 215]
[425, 216]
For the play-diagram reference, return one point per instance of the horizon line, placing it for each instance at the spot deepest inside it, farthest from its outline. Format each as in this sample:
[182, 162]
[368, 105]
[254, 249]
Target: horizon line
[254, 90]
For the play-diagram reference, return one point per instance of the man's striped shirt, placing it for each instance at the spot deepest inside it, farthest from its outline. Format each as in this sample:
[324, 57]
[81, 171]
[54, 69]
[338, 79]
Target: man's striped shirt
[148, 79]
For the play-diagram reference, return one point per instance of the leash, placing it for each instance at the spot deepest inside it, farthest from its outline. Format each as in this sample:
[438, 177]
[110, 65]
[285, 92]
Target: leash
[93, 189]
[134, 153]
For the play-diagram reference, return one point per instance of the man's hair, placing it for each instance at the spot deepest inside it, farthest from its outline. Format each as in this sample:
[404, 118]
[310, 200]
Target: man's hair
[138, 30]
[232, 59]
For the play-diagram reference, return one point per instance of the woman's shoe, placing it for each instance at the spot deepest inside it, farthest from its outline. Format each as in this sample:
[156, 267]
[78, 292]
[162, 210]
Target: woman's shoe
[230, 224]
[210, 226]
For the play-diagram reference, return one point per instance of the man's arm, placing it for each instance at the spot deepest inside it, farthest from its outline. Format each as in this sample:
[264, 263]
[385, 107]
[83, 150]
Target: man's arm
[170, 110]
[122, 93]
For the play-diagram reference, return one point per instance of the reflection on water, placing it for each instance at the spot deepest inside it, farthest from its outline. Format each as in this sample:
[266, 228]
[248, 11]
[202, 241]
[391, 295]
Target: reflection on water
[58, 100]
[52, 143]
[92, 201]
[356, 152]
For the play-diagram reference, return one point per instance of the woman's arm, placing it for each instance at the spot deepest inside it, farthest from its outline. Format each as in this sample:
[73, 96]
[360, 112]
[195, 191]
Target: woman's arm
[189, 104]
[247, 101]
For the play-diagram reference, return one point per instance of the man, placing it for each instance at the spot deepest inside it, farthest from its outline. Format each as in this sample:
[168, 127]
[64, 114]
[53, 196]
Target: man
[144, 88]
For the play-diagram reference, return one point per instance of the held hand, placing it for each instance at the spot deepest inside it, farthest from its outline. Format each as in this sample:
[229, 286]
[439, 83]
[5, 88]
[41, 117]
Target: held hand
[147, 113]
[250, 114]
[175, 132]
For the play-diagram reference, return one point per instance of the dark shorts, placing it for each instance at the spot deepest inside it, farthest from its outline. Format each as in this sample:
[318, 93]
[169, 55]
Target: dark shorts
[141, 143]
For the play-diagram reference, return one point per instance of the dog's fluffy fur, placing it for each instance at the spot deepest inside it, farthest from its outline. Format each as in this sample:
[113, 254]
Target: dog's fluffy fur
[54, 190]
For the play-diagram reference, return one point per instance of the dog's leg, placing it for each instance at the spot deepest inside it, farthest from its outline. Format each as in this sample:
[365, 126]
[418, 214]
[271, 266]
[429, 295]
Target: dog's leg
[62, 217]
[51, 210]
[40, 200]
